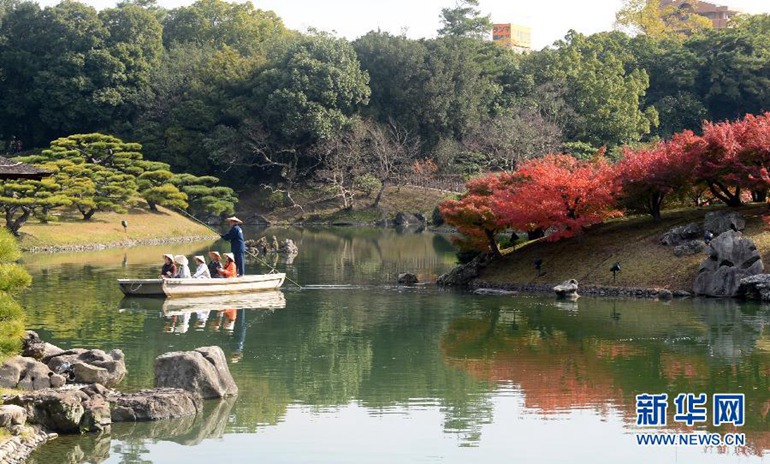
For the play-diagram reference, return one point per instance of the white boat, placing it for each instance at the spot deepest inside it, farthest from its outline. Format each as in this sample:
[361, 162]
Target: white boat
[172, 288]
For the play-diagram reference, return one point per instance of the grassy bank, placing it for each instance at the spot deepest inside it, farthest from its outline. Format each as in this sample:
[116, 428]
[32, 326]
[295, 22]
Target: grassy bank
[317, 207]
[106, 229]
[633, 242]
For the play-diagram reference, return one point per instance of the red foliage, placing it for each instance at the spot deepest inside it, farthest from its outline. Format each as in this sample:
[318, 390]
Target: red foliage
[559, 192]
[473, 214]
[733, 157]
[648, 175]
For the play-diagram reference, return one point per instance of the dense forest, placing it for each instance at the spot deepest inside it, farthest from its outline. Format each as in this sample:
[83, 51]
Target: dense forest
[227, 90]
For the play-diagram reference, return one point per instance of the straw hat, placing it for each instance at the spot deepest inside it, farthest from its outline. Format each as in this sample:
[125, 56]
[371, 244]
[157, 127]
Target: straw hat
[215, 253]
[201, 259]
[234, 219]
[169, 256]
[181, 259]
[230, 256]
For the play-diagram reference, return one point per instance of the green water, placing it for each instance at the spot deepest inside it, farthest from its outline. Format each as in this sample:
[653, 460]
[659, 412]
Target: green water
[355, 369]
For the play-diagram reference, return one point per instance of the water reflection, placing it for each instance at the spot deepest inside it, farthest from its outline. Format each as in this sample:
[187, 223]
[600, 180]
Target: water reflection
[130, 441]
[442, 375]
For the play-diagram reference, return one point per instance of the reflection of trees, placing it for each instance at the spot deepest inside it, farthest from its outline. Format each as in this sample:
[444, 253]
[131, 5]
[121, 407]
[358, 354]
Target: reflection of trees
[600, 359]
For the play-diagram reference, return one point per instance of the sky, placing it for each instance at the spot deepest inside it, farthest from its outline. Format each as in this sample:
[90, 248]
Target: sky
[550, 20]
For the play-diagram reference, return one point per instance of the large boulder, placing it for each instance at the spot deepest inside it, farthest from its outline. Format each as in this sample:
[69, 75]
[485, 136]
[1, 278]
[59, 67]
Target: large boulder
[719, 222]
[756, 288]
[203, 372]
[90, 366]
[407, 278]
[58, 411]
[567, 289]
[681, 234]
[155, 404]
[11, 414]
[731, 258]
[460, 276]
[689, 248]
[409, 219]
[25, 373]
[288, 247]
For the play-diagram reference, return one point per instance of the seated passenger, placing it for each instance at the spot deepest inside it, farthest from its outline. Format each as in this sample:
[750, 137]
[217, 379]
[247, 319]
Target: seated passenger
[216, 264]
[202, 272]
[169, 269]
[182, 272]
[229, 268]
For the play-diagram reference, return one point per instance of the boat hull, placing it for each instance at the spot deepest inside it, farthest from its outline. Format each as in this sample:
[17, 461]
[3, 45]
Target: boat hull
[171, 288]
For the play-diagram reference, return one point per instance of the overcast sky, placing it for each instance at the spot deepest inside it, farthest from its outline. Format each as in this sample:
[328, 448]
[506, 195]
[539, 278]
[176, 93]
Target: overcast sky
[549, 19]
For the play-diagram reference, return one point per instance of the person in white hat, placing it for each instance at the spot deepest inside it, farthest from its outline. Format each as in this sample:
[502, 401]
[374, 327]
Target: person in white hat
[202, 271]
[228, 270]
[182, 271]
[237, 243]
[169, 269]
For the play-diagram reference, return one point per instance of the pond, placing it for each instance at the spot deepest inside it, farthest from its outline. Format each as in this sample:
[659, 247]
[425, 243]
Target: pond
[354, 368]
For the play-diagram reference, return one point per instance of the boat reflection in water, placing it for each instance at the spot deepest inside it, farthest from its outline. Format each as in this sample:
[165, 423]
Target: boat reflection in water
[218, 313]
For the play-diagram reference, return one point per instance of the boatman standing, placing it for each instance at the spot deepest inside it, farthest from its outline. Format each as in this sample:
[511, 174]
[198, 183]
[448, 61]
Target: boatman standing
[237, 244]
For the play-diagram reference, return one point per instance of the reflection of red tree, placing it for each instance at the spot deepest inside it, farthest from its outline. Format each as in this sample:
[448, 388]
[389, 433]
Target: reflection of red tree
[554, 378]
[562, 375]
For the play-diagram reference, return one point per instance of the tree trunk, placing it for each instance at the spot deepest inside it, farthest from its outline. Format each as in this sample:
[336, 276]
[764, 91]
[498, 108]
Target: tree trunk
[492, 243]
[759, 196]
[656, 203]
[14, 225]
[379, 195]
[153, 206]
[723, 194]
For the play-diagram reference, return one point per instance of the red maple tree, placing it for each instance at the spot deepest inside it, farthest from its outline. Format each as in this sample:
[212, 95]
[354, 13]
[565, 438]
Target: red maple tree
[560, 193]
[473, 214]
[648, 175]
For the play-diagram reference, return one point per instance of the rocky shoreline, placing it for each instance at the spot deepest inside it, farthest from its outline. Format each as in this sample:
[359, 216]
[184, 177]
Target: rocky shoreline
[122, 244]
[585, 290]
[57, 391]
[17, 448]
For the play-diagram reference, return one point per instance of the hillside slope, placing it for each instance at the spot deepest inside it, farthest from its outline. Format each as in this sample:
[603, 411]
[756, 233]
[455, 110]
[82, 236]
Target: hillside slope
[633, 242]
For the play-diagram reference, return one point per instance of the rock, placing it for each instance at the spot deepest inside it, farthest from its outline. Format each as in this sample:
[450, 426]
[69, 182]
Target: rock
[689, 248]
[719, 222]
[460, 275]
[203, 372]
[756, 288]
[405, 219]
[681, 234]
[665, 295]
[11, 414]
[155, 404]
[288, 247]
[58, 411]
[407, 278]
[731, 258]
[27, 374]
[493, 291]
[567, 289]
[681, 294]
[34, 347]
[90, 366]
[97, 416]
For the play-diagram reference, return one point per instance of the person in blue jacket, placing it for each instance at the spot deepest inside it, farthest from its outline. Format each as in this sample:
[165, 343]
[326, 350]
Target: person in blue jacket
[237, 244]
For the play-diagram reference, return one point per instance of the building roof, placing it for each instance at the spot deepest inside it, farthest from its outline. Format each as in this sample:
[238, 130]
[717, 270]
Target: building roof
[10, 169]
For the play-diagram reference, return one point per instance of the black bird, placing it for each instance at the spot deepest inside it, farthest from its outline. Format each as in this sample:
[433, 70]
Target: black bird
[124, 223]
[708, 236]
[615, 269]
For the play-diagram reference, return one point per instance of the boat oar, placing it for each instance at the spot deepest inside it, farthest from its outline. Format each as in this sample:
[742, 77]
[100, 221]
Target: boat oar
[261, 261]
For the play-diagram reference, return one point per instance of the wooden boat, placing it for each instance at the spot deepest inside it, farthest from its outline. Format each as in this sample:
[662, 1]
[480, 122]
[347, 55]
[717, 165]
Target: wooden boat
[171, 288]
[269, 299]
